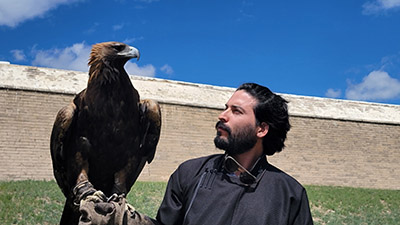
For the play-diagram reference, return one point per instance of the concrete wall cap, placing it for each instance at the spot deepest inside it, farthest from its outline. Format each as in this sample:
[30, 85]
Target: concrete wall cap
[192, 94]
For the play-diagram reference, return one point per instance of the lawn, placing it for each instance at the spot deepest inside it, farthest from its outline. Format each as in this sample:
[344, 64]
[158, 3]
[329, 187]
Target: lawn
[41, 202]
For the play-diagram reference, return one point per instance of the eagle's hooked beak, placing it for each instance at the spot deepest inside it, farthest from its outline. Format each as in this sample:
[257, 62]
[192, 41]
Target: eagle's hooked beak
[134, 52]
[130, 52]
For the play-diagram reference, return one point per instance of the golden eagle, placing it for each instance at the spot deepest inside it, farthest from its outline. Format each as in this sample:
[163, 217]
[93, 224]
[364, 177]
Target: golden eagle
[106, 134]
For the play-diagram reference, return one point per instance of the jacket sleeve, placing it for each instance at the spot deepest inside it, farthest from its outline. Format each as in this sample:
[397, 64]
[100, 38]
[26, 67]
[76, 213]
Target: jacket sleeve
[171, 210]
[303, 213]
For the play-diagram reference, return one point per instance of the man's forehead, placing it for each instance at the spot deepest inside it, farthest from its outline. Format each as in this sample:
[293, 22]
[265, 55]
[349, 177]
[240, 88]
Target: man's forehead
[242, 99]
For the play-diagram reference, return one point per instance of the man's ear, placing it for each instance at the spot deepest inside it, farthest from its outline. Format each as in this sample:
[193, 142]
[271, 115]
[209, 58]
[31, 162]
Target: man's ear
[262, 130]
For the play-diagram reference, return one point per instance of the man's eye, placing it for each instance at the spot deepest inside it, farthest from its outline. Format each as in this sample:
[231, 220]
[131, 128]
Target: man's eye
[235, 111]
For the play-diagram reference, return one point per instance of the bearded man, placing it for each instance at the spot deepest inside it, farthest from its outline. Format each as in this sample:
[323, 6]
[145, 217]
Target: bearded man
[238, 187]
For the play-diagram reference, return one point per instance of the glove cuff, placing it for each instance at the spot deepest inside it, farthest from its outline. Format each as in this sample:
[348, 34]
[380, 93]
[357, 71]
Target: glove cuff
[82, 190]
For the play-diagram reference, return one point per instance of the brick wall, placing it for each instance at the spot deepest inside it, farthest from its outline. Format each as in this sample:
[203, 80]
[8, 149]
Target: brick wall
[331, 142]
[26, 119]
[342, 153]
[319, 151]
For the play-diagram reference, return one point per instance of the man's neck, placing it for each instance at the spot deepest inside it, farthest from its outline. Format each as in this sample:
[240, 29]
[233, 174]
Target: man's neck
[248, 158]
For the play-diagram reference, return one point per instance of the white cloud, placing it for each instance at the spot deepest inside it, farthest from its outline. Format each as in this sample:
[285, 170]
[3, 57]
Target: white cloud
[118, 27]
[332, 93]
[18, 55]
[92, 29]
[167, 69]
[146, 70]
[74, 57]
[14, 12]
[378, 85]
[132, 40]
[379, 6]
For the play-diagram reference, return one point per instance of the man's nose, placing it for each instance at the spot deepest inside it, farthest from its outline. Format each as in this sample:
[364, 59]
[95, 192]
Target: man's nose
[223, 116]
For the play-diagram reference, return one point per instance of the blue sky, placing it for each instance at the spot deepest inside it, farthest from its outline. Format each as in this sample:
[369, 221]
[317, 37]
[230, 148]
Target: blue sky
[338, 49]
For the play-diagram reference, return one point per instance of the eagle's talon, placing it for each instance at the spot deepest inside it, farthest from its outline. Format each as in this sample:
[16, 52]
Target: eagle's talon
[112, 197]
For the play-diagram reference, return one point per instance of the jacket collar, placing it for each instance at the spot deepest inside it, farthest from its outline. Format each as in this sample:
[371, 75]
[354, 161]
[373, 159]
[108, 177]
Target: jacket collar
[244, 179]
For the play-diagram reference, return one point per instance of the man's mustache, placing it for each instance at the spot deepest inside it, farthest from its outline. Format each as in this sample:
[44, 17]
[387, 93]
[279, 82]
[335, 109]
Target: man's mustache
[222, 126]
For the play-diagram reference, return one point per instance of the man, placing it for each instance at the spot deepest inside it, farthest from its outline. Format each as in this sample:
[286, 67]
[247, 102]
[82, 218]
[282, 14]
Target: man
[240, 186]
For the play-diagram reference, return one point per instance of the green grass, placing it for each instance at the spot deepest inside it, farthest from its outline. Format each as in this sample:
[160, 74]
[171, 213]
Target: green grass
[343, 205]
[30, 202]
[41, 202]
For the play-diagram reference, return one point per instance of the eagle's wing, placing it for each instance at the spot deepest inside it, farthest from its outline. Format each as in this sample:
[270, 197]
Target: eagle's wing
[151, 128]
[58, 145]
[150, 124]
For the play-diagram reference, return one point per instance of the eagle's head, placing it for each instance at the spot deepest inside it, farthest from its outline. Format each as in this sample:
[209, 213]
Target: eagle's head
[112, 53]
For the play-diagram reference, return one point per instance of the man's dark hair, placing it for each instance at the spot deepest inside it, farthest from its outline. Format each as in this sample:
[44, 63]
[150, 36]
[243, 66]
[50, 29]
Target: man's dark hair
[271, 109]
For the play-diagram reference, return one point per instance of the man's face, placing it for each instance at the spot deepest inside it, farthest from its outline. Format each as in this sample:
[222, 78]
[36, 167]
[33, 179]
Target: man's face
[236, 128]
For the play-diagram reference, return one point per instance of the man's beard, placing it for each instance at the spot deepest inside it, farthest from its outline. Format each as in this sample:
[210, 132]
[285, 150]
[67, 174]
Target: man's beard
[237, 143]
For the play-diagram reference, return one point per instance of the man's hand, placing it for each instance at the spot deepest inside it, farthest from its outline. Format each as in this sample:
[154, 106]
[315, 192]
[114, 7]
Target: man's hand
[96, 208]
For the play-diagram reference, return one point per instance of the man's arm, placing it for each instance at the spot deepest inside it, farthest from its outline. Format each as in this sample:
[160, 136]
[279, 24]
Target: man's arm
[96, 208]
[303, 214]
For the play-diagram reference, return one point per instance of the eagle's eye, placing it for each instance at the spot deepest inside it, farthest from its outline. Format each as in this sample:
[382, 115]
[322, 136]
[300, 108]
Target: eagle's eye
[119, 48]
